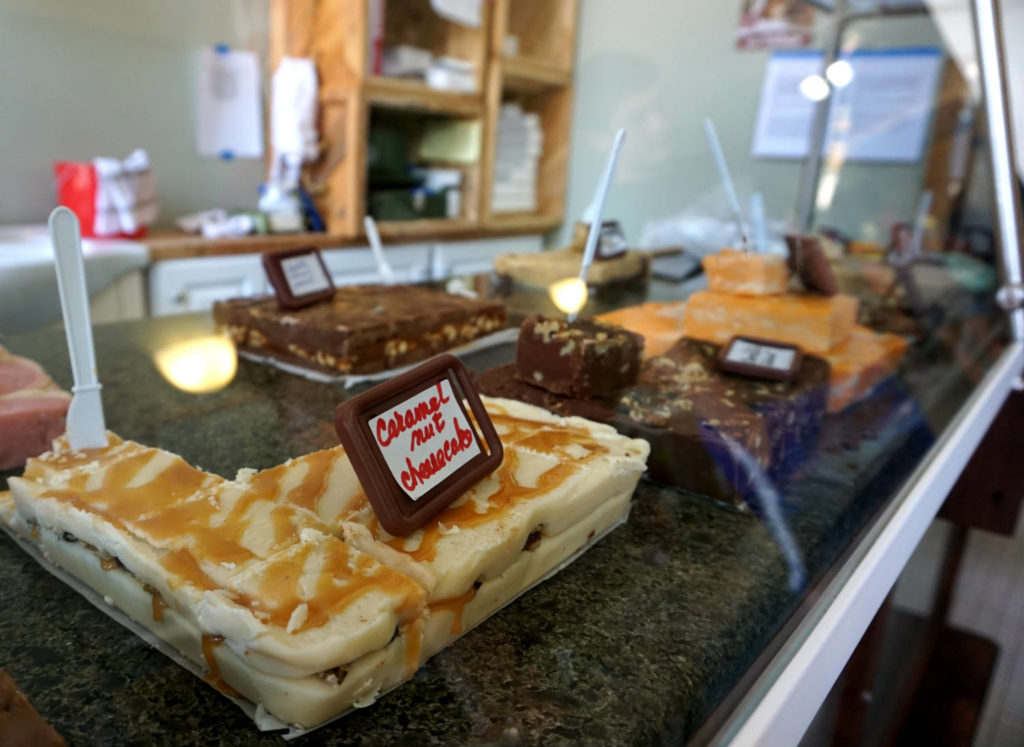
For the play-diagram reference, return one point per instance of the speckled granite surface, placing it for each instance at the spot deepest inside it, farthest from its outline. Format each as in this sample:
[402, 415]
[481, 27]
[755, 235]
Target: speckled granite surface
[634, 644]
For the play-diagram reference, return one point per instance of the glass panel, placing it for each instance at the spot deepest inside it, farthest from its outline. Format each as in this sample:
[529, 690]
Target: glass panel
[815, 306]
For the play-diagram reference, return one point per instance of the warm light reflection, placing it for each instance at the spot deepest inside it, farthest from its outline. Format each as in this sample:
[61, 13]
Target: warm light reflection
[205, 364]
[569, 295]
[830, 176]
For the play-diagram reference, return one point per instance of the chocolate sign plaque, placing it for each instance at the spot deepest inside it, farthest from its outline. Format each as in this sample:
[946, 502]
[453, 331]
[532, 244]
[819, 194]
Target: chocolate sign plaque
[299, 277]
[412, 444]
[761, 359]
[807, 259]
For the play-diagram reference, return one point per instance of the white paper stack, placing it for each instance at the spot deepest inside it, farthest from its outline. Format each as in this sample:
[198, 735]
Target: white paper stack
[517, 157]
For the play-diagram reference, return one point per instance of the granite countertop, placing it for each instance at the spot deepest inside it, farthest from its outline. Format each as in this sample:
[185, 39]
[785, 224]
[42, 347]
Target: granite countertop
[636, 643]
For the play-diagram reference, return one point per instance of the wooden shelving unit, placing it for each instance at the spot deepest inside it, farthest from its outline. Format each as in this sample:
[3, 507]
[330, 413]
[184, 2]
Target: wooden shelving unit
[532, 76]
[539, 77]
[396, 93]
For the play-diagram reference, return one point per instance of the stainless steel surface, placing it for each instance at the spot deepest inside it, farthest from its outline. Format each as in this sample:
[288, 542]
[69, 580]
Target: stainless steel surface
[992, 62]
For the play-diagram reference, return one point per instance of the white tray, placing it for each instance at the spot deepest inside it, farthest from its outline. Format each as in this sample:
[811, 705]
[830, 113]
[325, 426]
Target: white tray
[501, 337]
[263, 720]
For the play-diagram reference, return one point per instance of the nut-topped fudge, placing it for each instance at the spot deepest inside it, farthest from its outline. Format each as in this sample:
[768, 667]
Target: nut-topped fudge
[582, 358]
[697, 418]
[362, 329]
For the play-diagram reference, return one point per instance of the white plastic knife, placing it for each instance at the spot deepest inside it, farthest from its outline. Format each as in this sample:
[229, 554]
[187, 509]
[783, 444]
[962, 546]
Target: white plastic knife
[596, 209]
[387, 275]
[726, 177]
[594, 213]
[86, 428]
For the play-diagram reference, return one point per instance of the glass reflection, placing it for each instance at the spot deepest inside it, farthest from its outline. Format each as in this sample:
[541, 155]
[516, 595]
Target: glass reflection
[205, 364]
[569, 295]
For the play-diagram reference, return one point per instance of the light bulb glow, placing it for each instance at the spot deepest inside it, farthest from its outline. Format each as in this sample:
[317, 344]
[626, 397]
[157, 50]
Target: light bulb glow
[839, 73]
[814, 87]
[569, 295]
[205, 364]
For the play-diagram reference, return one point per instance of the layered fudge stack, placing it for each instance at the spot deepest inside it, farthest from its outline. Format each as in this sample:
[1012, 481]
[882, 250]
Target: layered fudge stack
[282, 582]
[749, 295]
[710, 432]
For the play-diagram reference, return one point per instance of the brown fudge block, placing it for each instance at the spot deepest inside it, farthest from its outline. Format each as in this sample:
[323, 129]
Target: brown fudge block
[583, 358]
[789, 413]
[362, 329]
[19, 722]
[696, 418]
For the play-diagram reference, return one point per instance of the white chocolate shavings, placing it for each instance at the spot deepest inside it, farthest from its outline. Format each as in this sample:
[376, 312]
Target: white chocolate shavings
[413, 541]
[446, 530]
[298, 618]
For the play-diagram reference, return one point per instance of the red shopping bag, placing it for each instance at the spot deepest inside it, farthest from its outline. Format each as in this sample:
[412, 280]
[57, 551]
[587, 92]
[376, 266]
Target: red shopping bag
[76, 190]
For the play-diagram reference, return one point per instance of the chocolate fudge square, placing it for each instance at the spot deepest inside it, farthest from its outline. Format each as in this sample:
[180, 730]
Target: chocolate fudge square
[790, 412]
[502, 381]
[362, 329]
[686, 428]
[705, 427]
[582, 359]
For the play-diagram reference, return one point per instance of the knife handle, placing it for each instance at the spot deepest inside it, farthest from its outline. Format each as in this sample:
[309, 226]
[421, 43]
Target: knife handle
[67, 250]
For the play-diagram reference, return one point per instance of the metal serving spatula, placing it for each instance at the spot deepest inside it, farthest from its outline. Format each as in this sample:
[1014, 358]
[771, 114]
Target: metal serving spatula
[85, 425]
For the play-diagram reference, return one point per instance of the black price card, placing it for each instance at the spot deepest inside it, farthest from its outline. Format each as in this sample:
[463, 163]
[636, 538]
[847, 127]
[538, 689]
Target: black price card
[299, 277]
[611, 241]
[412, 444]
[760, 359]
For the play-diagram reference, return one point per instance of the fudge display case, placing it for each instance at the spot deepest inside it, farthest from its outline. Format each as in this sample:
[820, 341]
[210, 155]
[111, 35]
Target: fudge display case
[798, 425]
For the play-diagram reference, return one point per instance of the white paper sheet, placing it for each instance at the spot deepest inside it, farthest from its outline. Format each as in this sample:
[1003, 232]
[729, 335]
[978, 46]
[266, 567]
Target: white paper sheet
[885, 111]
[229, 116]
[883, 114]
[785, 116]
[464, 12]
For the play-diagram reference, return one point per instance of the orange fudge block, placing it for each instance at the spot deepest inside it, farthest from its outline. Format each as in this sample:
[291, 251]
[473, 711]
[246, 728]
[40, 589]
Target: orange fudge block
[660, 323]
[815, 323]
[860, 363]
[746, 273]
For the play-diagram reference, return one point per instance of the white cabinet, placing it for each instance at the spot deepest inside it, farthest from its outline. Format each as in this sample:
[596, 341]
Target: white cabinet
[178, 286]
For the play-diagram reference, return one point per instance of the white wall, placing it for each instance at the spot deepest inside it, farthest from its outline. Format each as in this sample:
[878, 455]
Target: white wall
[658, 67]
[83, 78]
[102, 77]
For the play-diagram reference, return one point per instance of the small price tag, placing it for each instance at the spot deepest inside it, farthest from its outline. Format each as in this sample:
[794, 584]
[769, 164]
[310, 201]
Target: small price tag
[412, 444]
[760, 359]
[611, 241]
[299, 277]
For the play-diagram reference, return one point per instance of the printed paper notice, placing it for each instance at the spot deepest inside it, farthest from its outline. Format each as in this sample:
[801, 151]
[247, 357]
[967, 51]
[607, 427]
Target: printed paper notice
[304, 274]
[785, 116]
[882, 113]
[425, 439]
[229, 117]
[464, 12]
